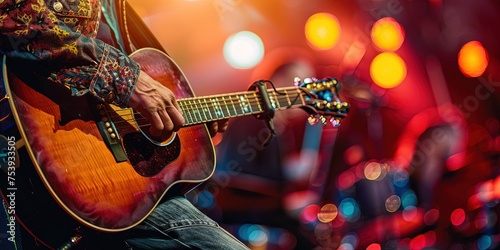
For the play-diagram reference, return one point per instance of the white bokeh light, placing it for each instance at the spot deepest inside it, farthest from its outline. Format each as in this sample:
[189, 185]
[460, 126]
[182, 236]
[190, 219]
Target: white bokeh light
[243, 50]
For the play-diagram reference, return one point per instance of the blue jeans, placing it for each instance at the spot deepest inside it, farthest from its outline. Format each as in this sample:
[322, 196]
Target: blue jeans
[177, 224]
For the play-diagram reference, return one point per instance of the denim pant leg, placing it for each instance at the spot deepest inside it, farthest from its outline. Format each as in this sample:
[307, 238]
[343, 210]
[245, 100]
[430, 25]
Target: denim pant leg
[177, 224]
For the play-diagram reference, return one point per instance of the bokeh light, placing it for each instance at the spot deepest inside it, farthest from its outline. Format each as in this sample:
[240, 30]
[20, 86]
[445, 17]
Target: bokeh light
[256, 235]
[309, 214]
[393, 203]
[431, 217]
[350, 241]
[400, 178]
[388, 70]
[204, 199]
[349, 208]
[322, 31]
[409, 199]
[374, 246]
[387, 34]
[328, 213]
[374, 171]
[457, 217]
[473, 59]
[244, 50]
[484, 242]
[346, 180]
[353, 155]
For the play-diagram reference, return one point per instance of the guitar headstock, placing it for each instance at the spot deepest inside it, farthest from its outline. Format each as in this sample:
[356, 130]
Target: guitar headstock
[322, 100]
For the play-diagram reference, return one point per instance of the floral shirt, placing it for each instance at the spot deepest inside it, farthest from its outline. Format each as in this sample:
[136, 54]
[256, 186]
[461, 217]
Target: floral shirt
[62, 35]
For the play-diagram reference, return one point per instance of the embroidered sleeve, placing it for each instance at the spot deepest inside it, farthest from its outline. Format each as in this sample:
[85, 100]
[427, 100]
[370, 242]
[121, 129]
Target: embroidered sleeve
[32, 32]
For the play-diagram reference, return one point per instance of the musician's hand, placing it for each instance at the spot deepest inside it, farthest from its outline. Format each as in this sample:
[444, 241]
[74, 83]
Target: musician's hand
[158, 104]
[217, 126]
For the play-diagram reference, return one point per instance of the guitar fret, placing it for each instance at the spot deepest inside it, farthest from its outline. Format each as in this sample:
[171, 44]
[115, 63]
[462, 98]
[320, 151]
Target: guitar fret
[244, 104]
[283, 100]
[234, 106]
[227, 107]
[208, 109]
[202, 111]
[187, 115]
[276, 101]
[288, 98]
[197, 111]
[257, 101]
[297, 90]
[217, 107]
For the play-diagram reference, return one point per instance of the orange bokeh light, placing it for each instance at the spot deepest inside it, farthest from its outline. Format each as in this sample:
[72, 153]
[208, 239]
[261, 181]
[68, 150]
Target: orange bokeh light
[387, 34]
[323, 31]
[473, 59]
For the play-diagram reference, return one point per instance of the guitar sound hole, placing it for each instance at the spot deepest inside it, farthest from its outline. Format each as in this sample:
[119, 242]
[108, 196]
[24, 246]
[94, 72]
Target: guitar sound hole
[147, 158]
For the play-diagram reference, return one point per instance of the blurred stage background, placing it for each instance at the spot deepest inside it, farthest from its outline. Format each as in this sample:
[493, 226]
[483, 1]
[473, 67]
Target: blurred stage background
[415, 163]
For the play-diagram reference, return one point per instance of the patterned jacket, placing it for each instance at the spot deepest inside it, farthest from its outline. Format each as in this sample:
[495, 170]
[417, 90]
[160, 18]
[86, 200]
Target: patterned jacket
[61, 36]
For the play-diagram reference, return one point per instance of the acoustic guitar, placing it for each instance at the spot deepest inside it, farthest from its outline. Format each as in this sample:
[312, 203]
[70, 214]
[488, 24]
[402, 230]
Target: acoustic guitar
[99, 164]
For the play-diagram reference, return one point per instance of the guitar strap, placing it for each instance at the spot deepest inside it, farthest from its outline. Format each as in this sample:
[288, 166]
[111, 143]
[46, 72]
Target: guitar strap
[129, 29]
[140, 35]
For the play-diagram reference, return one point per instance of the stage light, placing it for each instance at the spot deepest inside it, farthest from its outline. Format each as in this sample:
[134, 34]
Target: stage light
[388, 70]
[387, 34]
[243, 50]
[309, 214]
[328, 213]
[457, 217]
[346, 180]
[409, 199]
[349, 208]
[484, 242]
[258, 237]
[205, 199]
[473, 59]
[401, 178]
[374, 171]
[393, 203]
[374, 246]
[431, 217]
[323, 31]
[350, 241]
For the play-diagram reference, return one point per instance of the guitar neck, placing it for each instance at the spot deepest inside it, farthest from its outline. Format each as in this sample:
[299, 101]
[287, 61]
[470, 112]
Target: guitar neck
[197, 110]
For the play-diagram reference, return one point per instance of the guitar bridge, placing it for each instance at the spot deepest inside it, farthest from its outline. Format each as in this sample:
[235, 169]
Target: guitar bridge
[110, 136]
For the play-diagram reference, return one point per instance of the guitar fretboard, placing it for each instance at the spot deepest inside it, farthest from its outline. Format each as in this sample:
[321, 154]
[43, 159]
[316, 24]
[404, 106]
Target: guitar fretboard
[198, 110]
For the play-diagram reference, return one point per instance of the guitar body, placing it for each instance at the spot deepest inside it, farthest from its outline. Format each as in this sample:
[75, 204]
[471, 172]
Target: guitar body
[73, 159]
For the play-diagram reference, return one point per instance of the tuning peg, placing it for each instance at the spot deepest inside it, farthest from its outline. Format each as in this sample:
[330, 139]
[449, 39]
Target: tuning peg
[324, 120]
[297, 81]
[335, 122]
[313, 120]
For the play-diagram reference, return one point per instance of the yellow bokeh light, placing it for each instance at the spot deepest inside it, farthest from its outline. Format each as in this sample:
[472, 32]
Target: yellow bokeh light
[473, 59]
[374, 171]
[387, 34]
[388, 70]
[323, 30]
